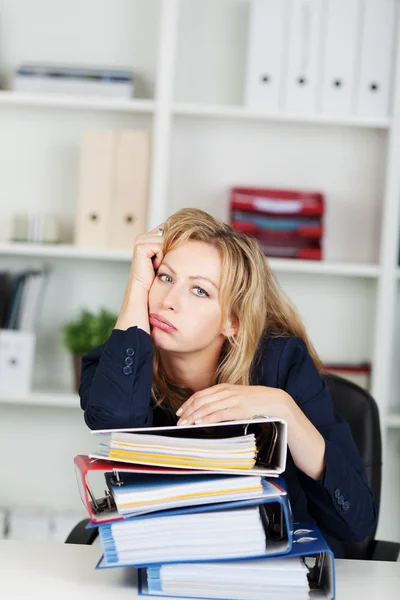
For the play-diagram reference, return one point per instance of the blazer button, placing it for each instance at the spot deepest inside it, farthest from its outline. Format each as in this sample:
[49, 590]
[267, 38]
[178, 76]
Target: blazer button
[340, 500]
[337, 493]
[129, 351]
[128, 361]
[127, 370]
[346, 505]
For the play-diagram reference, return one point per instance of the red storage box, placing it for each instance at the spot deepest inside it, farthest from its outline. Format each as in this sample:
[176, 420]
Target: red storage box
[272, 201]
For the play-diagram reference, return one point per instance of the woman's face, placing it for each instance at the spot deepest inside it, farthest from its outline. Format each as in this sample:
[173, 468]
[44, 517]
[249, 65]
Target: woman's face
[184, 310]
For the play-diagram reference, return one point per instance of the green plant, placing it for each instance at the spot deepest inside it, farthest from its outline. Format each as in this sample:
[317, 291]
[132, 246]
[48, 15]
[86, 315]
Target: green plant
[88, 330]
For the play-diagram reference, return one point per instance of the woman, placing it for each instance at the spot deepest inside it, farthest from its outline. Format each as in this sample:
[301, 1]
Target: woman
[206, 335]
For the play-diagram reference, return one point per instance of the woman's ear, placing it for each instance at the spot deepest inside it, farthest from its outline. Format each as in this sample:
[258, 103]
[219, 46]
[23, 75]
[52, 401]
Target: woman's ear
[230, 327]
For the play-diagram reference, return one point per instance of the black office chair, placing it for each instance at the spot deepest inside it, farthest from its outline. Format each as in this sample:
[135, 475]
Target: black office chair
[359, 409]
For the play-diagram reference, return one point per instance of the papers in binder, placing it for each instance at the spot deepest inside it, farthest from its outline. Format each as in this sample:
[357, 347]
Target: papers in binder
[307, 571]
[255, 446]
[268, 578]
[135, 494]
[233, 453]
[196, 536]
[193, 529]
[196, 489]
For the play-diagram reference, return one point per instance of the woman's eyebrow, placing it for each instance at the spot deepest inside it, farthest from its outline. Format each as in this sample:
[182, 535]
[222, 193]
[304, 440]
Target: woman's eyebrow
[165, 264]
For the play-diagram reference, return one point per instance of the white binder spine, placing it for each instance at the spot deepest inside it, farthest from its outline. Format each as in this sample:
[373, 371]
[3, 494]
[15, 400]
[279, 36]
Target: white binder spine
[341, 49]
[377, 54]
[304, 44]
[267, 40]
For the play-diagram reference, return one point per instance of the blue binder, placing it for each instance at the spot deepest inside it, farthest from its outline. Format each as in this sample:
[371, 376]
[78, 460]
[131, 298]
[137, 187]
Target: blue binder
[279, 529]
[307, 542]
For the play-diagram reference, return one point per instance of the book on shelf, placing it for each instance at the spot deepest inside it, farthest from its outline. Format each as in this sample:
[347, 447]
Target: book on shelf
[74, 80]
[21, 298]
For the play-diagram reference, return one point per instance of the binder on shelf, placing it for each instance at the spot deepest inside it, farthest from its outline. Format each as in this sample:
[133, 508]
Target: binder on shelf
[277, 202]
[340, 56]
[96, 180]
[377, 58]
[225, 580]
[262, 442]
[130, 189]
[17, 353]
[113, 188]
[267, 40]
[270, 518]
[304, 41]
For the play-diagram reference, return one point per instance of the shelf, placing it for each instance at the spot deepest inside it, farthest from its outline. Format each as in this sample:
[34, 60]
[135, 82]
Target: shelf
[393, 421]
[55, 399]
[279, 265]
[182, 109]
[8, 98]
[63, 251]
[321, 267]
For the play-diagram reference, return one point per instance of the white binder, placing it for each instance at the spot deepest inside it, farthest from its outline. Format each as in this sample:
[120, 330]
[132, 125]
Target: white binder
[267, 40]
[377, 51]
[304, 44]
[340, 64]
[130, 189]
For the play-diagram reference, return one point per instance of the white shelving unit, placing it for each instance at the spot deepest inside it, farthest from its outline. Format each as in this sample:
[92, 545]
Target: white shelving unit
[189, 57]
[13, 99]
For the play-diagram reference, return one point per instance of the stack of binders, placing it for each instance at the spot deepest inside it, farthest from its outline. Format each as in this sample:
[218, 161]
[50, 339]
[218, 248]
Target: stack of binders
[202, 512]
[286, 223]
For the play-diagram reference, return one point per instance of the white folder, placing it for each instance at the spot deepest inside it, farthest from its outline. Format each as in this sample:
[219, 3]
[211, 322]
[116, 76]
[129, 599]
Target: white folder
[341, 48]
[96, 181]
[304, 41]
[377, 52]
[267, 41]
[130, 191]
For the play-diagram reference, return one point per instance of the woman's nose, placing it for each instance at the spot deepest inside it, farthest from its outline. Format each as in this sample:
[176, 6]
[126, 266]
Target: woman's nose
[171, 299]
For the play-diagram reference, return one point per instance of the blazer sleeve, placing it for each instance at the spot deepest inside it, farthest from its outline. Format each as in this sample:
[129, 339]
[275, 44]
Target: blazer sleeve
[341, 502]
[115, 386]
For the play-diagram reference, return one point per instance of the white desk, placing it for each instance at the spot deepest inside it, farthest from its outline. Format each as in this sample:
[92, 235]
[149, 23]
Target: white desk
[52, 570]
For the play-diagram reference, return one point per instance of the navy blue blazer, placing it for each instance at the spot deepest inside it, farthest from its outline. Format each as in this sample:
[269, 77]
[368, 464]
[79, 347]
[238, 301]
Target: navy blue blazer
[115, 393]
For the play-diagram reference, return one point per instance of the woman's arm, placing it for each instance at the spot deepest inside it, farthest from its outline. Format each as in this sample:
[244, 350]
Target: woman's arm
[115, 392]
[339, 497]
[329, 467]
[116, 378]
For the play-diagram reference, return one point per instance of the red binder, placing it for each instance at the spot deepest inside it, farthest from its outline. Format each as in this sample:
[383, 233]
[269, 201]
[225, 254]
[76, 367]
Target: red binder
[272, 201]
[103, 508]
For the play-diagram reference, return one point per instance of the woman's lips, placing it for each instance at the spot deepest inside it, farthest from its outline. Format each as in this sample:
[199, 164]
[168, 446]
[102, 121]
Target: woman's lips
[157, 321]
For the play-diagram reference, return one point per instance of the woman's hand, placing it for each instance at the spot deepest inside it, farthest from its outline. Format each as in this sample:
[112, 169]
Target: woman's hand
[225, 402]
[147, 257]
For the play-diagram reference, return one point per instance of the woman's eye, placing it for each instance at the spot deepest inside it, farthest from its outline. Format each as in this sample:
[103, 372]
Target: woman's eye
[201, 293]
[165, 278]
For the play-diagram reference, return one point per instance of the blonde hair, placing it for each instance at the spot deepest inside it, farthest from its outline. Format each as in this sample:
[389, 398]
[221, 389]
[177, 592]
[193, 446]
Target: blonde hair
[249, 293]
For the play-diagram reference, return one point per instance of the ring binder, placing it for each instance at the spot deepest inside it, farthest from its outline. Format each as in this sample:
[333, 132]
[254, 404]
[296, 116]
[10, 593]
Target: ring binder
[113, 446]
[315, 555]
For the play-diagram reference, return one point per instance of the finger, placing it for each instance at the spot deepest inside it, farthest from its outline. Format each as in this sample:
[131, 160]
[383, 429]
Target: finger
[206, 410]
[226, 414]
[157, 259]
[198, 395]
[196, 403]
